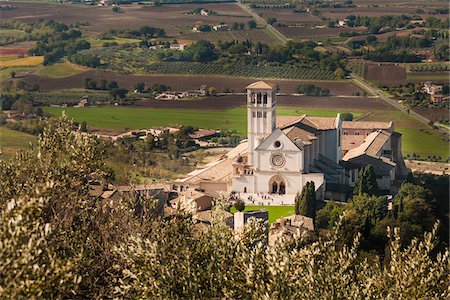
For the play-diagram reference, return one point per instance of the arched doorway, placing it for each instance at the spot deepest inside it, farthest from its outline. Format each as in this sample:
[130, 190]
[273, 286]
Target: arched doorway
[277, 185]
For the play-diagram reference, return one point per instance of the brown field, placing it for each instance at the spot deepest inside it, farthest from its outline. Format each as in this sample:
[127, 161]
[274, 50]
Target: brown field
[340, 13]
[434, 114]
[255, 35]
[13, 51]
[180, 82]
[226, 102]
[383, 37]
[288, 16]
[316, 32]
[413, 3]
[103, 19]
[386, 74]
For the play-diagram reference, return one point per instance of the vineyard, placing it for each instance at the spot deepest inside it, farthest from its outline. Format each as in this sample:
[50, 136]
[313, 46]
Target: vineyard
[302, 73]
[429, 67]
[358, 68]
[146, 61]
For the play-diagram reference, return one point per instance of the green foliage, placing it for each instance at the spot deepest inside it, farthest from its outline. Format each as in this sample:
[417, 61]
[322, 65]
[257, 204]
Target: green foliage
[366, 182]
[60, 242]
[328, 216]
[306, 203]
[239, 205]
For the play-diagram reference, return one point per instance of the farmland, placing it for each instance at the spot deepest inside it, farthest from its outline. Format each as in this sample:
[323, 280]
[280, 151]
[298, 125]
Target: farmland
[145, 62]
[180, 83]
[255, 35]
[101, 19]
[308, 32]
[135, 118]
[11, 141]
[60, 70]
[22, 62]
[386, 74]
[289, 17]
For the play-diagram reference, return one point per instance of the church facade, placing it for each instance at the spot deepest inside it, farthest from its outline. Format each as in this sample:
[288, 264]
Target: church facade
[284, 153]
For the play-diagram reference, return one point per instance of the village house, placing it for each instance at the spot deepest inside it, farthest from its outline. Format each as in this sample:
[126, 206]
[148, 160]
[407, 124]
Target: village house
[84, 102]
[434, 90]
[179, 47]
[204, 12]
[221, 27]
[281, 154]
[156, 47]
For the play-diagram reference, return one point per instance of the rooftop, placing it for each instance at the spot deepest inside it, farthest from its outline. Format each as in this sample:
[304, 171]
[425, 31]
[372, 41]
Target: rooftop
[262, 85]
[367, 125]
[371, 146]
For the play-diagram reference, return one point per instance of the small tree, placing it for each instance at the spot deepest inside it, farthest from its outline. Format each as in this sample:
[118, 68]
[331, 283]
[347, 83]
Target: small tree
[367, 182]
[13, 74]
[239, 205]
[140, 86]
[251, 24]
[307, 201]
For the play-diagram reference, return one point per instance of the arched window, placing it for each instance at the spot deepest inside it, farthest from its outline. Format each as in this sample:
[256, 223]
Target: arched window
[252, 96]
[245, 189]
[258, 98]
[274, 187]
[277, 185]
[265, 98]
[282, 189]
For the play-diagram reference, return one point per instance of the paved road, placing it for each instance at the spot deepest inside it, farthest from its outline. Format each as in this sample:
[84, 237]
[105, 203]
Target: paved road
[390, 101]
[283, 39]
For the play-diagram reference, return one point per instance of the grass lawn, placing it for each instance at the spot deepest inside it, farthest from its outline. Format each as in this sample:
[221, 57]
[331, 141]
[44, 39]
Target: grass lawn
[120, 118]
[61, 70]
[426, 142]
[11, 141]
[22, 62]
[275, 212]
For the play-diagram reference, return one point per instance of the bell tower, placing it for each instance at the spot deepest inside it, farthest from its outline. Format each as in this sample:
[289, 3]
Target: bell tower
[261, 104]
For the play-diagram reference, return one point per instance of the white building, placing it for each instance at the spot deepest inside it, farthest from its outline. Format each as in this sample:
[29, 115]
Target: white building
[281, 154]
[284, 154]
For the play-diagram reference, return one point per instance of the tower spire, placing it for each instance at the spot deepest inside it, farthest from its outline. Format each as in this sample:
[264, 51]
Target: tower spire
[261, 119]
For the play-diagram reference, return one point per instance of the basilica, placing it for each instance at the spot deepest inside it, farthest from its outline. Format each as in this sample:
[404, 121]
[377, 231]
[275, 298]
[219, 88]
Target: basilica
[281, 154]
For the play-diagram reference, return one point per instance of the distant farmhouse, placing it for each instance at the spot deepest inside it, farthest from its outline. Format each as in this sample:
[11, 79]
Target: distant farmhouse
[282, 154]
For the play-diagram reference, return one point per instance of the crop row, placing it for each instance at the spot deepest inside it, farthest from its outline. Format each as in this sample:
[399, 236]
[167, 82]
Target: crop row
[437, 67]
[240, 70]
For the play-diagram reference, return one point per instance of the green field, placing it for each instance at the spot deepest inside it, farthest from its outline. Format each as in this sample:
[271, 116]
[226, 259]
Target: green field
[275, 212]
[425, 142]
[417, 137]
[120, 118]
[11, 141]
[61, 70]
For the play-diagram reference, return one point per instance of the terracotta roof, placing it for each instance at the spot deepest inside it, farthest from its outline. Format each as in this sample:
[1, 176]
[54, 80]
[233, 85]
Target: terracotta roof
[320, 123]
[262, 85]
[351, 141]
[220, 170]
[371, 146]
[295, 133]
[286, 121]
[367, 125]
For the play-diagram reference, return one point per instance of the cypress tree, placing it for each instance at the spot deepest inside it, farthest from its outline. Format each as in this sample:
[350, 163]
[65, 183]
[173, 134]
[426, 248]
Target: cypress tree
[306, 204]
[367, 182]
